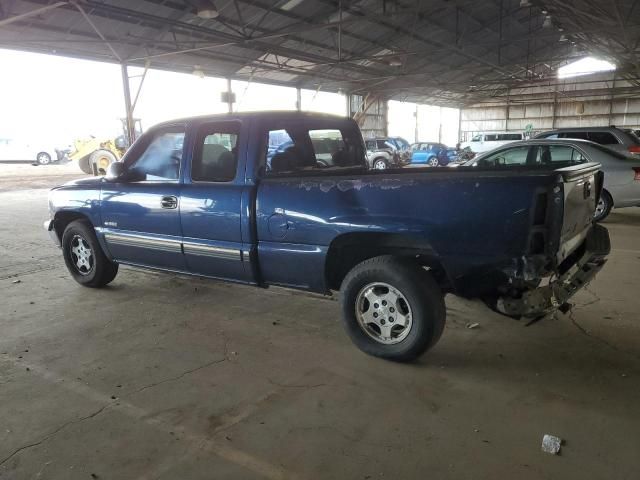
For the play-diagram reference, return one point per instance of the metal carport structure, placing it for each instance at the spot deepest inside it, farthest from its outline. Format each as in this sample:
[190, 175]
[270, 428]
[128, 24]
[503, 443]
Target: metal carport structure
[448, 53]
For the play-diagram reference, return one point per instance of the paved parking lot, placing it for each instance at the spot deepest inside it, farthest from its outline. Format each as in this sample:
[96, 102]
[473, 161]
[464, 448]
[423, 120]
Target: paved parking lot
[164, 377]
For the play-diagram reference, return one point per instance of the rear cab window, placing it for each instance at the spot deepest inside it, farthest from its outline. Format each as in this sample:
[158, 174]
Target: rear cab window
[298, 149]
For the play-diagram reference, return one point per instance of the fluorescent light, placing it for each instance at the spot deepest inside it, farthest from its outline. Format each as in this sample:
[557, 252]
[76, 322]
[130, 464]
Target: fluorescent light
[197, 71]
[291, 4]
[585, 66]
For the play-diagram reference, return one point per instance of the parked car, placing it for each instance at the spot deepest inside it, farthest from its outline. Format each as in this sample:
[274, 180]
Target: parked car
[16, 150]
[382, 154]
[483, 142]
[621, 186]
[432, 153]
[220, 212]
[616, 138]
[400, 143]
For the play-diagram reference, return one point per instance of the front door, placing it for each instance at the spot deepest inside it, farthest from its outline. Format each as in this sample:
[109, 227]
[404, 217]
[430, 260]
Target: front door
[141, 213]
[215, 235]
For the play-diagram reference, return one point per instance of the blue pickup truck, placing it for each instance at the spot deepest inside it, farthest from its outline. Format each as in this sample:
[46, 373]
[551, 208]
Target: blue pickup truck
[197, 196]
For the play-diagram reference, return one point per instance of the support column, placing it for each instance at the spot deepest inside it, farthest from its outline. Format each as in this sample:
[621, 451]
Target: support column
[229, 96]
[130, 133]
[555, 106]
[415, 124]
[298, 99]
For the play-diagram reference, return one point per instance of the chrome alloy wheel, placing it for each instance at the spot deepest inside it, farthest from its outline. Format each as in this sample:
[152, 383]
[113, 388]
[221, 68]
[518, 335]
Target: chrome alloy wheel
[81, 255]
[383, 313]
[43, 158]
[380, 165]
[600, 208]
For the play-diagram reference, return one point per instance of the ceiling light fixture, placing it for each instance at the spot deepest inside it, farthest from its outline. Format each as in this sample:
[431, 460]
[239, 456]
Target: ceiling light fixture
[197, 71]
[206, 10]
[290, 5]
[394, 62]
[525, 3]
[547, 22]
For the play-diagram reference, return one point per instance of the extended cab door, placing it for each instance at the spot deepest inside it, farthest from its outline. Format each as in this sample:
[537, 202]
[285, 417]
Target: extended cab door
[141, 211]
[215, 202]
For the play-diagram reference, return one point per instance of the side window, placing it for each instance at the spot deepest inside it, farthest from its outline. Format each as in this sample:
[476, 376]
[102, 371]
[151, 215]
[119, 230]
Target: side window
[603, 138]
[490, 138]
[371, 145]
[477, 138]
[307, 150]
[551, 135]
[160, 160]
[215, 157]
[512, 156]
[578, 135]
[381, 144]
[558, 153]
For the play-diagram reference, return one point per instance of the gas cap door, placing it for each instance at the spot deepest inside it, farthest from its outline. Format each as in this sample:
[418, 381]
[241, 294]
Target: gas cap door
[279, 224]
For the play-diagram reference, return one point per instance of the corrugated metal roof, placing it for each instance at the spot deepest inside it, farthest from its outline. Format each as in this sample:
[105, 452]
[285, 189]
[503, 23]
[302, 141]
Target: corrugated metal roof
[441, 52]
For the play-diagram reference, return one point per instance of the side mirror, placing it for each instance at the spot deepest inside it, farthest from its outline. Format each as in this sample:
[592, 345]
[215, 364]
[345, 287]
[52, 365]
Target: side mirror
[115, 171]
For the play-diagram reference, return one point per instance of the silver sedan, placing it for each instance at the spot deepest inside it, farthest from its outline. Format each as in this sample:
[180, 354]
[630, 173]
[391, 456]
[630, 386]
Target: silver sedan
[621, 172]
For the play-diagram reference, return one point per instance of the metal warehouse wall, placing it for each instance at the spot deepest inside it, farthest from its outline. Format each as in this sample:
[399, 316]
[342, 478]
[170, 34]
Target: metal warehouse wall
[596, 101]
[371, 115]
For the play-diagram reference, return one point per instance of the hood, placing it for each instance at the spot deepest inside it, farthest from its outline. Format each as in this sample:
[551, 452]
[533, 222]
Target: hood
[81, 182]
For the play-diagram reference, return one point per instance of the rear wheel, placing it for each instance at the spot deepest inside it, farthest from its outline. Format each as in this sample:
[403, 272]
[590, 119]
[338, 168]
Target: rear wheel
[43, 158]
[433, 162]
[101, 159]
[603, 207]
[85, 260]
[392, 308]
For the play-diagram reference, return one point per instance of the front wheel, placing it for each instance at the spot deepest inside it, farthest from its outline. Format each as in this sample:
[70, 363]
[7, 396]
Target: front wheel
[380, 164]
[603, 207]
[85, 260]
[433, 162]
[392, 308]
[43, 158]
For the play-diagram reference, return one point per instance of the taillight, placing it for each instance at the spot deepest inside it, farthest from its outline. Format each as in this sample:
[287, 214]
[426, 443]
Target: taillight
[636, 170]
[634, 149]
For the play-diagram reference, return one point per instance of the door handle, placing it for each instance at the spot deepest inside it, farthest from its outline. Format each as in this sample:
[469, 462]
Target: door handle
[169, 202]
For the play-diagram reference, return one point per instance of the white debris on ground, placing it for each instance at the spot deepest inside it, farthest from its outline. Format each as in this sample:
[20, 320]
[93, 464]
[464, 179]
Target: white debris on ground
[472, 325]
[551, 444]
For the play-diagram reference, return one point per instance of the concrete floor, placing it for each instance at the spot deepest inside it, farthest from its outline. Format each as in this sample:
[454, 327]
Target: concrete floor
[161, 377]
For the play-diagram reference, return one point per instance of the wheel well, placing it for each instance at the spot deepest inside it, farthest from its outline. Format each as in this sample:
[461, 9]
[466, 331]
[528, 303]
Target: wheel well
[62, 219]
[348, 250]
[379, 158]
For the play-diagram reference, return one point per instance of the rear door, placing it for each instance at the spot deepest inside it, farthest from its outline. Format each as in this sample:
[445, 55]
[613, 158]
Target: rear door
[213, 199]
[141, 212]
[420, 154]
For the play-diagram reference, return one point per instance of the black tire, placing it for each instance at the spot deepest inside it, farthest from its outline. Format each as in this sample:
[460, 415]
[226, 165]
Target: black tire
[604, 206]
[101, 159]
[423, 297]
[84, 165]
[43, 158]
[98, 270]
[381, 162]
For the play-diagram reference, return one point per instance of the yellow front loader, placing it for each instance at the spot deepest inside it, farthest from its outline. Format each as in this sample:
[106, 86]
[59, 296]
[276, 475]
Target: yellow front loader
[94, 155]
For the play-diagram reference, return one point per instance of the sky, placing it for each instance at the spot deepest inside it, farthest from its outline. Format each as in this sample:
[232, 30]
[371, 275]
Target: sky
[58, 99]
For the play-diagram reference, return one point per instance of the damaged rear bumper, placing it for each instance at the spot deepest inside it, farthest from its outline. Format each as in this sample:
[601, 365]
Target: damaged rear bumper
[543, 300]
